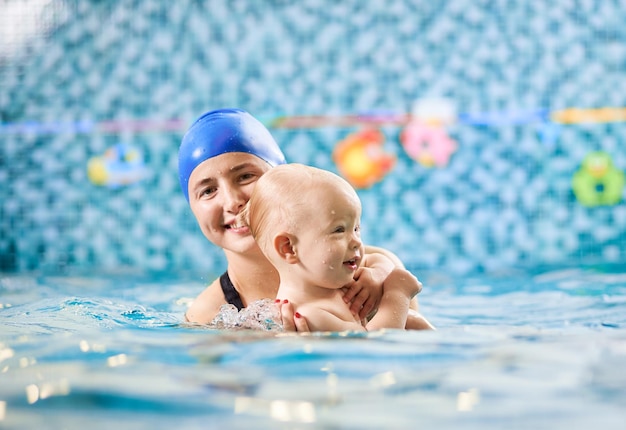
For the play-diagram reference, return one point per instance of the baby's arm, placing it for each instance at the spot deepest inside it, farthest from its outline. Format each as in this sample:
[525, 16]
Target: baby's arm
[398, 290]
[364, 293]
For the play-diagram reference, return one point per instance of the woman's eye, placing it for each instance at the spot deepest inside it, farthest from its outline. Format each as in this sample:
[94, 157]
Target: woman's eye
[247, 177]
[209, 190]
[339, 229]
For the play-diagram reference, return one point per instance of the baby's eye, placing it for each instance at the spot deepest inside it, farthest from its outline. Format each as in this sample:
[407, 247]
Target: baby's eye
[357, 229]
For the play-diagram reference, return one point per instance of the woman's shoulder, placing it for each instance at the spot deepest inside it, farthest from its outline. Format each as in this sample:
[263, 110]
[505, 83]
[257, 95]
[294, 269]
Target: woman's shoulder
[204, 308]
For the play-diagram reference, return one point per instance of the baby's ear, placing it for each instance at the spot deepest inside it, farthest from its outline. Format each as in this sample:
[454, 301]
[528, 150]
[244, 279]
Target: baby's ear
[284, 247]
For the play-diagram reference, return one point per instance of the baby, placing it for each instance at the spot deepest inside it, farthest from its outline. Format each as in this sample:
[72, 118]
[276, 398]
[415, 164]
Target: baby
[307, 223]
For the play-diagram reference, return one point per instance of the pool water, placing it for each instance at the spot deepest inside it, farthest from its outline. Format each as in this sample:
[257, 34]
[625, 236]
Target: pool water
[541, 349]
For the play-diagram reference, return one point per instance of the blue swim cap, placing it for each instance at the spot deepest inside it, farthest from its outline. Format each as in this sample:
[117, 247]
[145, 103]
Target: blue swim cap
[220, 131]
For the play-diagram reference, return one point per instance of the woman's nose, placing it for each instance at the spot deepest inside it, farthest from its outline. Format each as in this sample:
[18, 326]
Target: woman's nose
[234, 200]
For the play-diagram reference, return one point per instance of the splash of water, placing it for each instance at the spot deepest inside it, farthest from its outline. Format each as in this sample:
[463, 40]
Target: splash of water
[260, 315]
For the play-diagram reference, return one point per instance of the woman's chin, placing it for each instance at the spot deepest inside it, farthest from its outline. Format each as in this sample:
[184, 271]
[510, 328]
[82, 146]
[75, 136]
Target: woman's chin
[244, 244]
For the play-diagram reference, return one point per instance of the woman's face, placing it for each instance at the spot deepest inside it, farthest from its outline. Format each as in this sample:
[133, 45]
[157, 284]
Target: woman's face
[219, 188]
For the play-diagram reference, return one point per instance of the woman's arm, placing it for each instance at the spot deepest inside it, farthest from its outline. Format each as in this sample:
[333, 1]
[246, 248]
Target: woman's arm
[369, 249]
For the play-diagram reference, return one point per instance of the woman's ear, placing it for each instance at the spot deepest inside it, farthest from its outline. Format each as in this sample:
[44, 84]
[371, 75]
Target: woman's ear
[284, 247]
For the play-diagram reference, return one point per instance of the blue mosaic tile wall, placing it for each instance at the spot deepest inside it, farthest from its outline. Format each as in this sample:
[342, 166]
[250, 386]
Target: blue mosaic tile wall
[526, 84]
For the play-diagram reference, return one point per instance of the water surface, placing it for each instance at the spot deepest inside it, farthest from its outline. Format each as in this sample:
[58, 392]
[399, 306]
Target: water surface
[541, 349]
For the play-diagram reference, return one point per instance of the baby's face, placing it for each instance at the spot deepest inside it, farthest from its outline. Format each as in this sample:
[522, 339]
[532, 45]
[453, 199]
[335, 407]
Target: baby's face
[329, 241]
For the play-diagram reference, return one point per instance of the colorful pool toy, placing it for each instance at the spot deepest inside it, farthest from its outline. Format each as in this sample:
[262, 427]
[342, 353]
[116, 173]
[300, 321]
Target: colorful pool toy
[360, 158]
[427, 144]
[598, 182]
[586, 116]
[120, 165]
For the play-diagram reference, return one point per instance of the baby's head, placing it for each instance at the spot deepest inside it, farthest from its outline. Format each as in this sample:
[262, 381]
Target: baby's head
[291, 197]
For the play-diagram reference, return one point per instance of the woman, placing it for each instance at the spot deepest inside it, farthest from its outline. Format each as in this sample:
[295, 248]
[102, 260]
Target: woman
[221, 157]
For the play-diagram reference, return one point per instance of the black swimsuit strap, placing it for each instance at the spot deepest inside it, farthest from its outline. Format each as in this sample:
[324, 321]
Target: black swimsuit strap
[231, 295]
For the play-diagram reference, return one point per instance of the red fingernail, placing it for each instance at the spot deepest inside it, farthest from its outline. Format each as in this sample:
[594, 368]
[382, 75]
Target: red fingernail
[277, 301]
[285, 301]
[297, 315]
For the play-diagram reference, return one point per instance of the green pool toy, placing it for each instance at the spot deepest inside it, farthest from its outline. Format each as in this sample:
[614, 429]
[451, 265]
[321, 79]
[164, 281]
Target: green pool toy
[598, 182]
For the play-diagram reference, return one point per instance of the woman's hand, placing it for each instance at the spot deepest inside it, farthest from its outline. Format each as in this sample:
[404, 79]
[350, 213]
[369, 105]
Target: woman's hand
[292, 320]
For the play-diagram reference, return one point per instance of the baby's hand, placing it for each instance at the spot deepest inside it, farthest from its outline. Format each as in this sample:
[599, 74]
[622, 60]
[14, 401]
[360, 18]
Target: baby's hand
[292, 321]
[364, 293]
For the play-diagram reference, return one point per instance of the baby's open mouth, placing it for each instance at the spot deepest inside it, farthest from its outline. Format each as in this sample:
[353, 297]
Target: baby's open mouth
[354, 262]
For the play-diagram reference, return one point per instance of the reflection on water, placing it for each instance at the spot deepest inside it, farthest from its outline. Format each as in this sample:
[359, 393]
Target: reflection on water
[543, 350]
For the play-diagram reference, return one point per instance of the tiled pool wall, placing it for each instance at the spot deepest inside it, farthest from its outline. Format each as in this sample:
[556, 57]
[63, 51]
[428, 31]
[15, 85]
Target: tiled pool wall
[130, 76]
